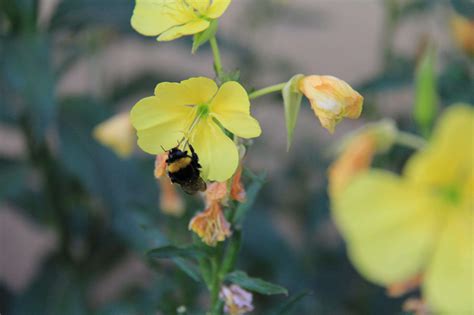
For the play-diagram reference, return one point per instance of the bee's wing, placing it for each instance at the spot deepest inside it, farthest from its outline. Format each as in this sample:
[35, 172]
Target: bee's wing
[193, 187]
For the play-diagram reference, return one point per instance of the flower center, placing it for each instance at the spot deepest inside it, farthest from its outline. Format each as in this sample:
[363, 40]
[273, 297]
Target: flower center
[202, 111]
[452, 194]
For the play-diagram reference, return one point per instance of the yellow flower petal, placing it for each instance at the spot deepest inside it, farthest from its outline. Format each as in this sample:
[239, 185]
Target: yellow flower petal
[217, 8]
[200, 89]
[389, 226]
[217, 153]
[152, 111]
[163, 136]
[448, 159]
[449, 284]
[231, 106]
[117, 134]
[200, 5]
[151, 17]
[192, 27]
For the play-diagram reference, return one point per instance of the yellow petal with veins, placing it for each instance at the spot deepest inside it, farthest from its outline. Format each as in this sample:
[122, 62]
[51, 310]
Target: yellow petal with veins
[217, 153]
[200, 89]
[192, 27]
[151, 17]
[217, 8]
[231, 107]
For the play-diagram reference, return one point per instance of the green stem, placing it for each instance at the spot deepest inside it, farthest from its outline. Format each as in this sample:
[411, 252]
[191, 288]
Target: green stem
[217, 57]
[215, 285]
[410, 140]
[269, 89]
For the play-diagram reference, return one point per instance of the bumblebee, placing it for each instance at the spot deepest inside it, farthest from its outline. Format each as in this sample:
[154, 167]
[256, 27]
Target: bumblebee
[184, 170]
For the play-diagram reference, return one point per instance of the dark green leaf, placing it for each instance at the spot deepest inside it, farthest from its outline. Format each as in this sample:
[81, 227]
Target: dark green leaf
[251, 196]
[13, 178]
[174, 251]
[255, 284]
[74, 14]
[289, 304]
[188, 268]
[200, 39]
[292, 102]
[426, 98]
[464, 7]
[28, 80]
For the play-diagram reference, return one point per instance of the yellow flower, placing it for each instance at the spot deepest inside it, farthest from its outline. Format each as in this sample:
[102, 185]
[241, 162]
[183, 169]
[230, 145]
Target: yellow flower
[196, 109]
[331, 99]
[172, 19]
[422, 222]
[463, 31]
[117, 134]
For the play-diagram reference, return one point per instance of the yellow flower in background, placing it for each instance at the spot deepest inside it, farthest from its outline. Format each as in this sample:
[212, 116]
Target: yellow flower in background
[463, 31]
[117, 134]
[331, 99]
[171, 19]
[196, 109]
[398, 227]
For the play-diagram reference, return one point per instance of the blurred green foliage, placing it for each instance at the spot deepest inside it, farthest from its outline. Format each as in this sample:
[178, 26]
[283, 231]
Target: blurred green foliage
[104, 209]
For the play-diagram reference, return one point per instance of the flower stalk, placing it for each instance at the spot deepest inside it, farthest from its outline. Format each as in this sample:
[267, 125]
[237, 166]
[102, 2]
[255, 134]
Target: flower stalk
[267, 90]
[217, 57]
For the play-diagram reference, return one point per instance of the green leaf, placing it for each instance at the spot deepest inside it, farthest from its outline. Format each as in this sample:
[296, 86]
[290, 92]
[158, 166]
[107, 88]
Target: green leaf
[188, 268]
[171, 251]
[292, 102]
[255, 284]
[79, 14]
[289, 304]
[426, 97]
[200, 39]
[252, 193]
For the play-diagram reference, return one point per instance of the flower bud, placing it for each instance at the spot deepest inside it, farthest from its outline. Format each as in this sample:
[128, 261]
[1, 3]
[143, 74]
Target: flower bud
[211, 225]
[331, 99]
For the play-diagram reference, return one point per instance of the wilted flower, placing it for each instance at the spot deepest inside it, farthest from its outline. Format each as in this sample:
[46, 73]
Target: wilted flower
[117, 134]
[331, 99]
[355, 159]
[211, 225]
[196, 109]
[463, 31]
[172, 19]
[357, 150]
[421, 223]
[237, 190]
[237, 300]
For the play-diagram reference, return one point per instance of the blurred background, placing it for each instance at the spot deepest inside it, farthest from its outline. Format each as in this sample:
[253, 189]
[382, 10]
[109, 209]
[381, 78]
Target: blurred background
[76, 219]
